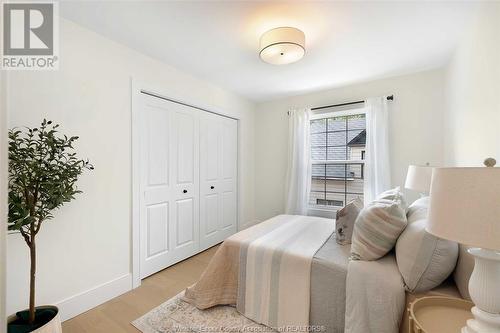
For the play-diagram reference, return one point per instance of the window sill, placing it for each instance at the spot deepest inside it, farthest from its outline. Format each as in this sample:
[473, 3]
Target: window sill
[322, 212]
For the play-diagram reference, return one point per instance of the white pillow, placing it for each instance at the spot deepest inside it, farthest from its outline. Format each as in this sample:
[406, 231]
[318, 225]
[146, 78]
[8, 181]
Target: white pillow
[394, 194]
[424, 260]
[378, 226]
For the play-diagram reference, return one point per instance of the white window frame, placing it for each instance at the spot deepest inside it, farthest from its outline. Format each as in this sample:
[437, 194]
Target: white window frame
[325, 211]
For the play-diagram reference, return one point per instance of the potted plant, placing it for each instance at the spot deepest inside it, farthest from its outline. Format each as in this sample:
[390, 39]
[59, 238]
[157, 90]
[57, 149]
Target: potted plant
[43, 170]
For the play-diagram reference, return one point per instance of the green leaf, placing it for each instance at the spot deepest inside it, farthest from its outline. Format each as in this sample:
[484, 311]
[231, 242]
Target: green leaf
[43, 172]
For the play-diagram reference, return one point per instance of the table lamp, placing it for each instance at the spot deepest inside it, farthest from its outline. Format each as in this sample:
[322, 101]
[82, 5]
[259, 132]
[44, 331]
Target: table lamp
[465, 207]
[418, 179]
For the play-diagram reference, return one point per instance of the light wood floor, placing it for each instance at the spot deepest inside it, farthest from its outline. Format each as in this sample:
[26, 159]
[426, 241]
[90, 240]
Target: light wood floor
[115, 315]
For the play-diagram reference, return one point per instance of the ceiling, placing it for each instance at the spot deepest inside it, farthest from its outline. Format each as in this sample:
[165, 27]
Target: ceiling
[346, 42]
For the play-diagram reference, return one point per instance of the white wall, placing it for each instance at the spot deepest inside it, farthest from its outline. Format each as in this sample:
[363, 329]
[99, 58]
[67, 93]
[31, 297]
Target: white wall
[473, 93]
[415, 130]
[88, 243]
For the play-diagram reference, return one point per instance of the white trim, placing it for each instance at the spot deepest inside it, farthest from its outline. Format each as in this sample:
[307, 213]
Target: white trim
[341, 113]
[136, 173]
[84, 301]
[137, 87]
[153, 94]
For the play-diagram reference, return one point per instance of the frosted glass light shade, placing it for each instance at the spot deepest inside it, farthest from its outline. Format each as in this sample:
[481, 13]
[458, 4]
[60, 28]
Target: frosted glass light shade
[282, 45]
[418, 178]
[465, 206]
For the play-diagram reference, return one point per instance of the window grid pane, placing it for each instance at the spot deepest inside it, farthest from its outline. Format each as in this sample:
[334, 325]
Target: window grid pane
[342, 138]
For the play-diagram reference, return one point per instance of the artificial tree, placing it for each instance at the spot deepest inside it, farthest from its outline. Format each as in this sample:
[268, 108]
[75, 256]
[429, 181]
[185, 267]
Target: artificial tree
[43, 170]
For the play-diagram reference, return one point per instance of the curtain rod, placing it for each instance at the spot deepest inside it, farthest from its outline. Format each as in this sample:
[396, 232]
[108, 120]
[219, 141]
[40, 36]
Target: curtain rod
[389, 98]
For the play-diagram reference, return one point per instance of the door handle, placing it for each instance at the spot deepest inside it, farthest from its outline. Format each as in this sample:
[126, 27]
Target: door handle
[185, 191]
[212, 187]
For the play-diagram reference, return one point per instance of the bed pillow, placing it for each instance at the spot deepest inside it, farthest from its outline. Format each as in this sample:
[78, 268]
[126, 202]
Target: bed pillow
[424, 260]
[394, 194]
[344, 221]
[378, 226]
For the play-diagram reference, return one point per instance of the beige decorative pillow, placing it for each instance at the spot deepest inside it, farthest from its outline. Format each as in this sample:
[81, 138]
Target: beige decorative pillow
[378, 226]
[344, 222]
[424, 260]
[394, 194]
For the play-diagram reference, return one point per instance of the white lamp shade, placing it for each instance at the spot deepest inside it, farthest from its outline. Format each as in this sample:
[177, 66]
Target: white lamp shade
[282, 45]
[418, 178]
[465, 206]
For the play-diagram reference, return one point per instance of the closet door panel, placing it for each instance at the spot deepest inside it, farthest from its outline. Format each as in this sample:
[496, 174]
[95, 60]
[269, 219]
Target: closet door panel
[218, 174]
[185, 222]
[155, 186]
[157, 229]
[210, 152]
[169, 185]
[212, 213]
[157, 146]
[186, 138]
[229, 148]
[229, 218]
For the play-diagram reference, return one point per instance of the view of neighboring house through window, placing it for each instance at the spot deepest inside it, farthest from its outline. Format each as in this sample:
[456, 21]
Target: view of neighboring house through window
[337, 154]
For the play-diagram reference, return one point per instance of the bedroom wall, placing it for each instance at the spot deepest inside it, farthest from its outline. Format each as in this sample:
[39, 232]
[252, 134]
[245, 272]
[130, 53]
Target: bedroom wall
[84, 253]
[472, 93]
[416, 126]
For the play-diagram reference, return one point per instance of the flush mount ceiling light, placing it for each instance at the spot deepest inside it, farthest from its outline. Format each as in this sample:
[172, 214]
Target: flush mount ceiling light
[282, 45]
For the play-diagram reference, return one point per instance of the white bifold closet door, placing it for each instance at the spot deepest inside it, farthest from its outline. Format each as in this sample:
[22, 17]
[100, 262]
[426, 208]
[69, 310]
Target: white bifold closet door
[188, 181]
[169, 211]
[218, 178]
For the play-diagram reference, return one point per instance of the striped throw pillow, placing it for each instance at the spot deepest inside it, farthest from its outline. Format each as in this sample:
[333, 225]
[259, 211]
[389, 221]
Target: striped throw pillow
[378, 226]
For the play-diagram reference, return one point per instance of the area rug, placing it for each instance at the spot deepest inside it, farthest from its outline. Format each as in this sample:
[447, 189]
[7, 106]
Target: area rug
[178, 316]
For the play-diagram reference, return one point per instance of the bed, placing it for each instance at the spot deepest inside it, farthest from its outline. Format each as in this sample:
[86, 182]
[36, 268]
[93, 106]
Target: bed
[328, 291]
[342, 295]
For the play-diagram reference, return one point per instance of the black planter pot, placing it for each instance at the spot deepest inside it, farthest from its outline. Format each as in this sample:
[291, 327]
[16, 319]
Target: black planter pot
[47, 320]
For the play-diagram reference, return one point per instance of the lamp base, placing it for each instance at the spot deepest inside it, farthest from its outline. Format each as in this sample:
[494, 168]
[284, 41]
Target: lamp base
[483, 322]
[484, 289]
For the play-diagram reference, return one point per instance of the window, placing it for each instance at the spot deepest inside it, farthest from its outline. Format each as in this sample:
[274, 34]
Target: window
[337, 153]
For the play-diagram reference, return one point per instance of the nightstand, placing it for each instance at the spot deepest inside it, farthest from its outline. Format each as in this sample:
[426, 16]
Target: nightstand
[437, 314]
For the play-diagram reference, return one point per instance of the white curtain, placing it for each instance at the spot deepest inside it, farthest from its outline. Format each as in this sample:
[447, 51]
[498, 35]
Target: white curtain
[298, 175]
[377, 162]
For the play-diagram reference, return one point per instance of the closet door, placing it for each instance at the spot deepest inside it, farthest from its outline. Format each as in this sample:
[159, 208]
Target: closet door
[169, 186]
[218, 178]
[185, 175]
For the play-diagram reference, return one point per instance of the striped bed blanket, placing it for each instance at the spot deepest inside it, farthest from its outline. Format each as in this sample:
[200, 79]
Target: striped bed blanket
[265, 270]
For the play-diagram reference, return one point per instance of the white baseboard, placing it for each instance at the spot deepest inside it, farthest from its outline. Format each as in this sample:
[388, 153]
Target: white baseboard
[77, 304]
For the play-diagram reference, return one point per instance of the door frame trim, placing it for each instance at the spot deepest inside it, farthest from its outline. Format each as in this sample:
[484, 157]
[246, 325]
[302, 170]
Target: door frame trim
[139, 87]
